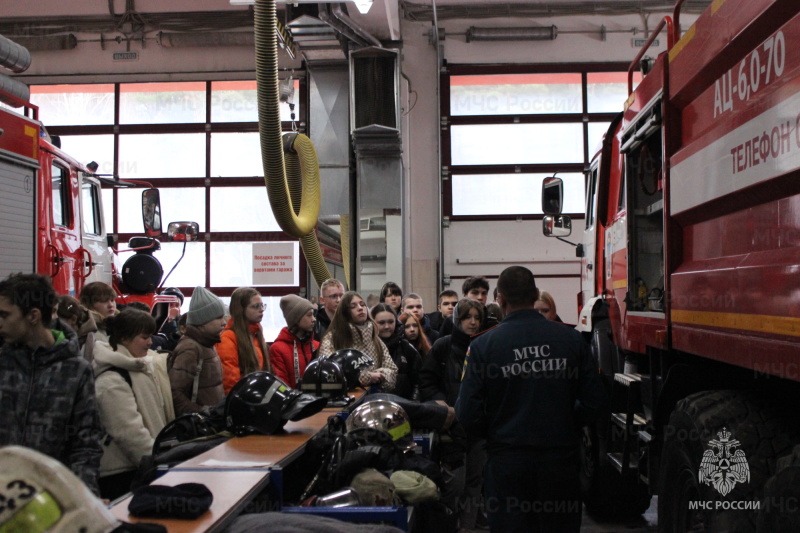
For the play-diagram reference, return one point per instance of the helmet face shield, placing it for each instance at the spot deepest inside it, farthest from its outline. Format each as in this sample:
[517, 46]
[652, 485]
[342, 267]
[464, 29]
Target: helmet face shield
[262, 403]
[385, 416]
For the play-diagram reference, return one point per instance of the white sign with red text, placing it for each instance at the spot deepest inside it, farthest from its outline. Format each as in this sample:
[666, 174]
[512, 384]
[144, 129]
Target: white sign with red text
[274, 263]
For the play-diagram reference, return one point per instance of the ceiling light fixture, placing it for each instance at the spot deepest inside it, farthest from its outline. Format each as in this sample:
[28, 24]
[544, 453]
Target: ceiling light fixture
[363, 6]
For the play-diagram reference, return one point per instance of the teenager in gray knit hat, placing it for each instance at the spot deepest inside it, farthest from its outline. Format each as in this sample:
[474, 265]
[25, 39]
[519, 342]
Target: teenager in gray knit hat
[195, 370]
[204, 307]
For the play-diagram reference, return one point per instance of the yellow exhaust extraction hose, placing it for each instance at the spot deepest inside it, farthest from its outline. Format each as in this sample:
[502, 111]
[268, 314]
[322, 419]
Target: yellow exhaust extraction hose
[292, 181]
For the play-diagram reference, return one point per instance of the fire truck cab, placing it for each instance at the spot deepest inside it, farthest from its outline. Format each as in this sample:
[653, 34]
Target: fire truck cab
[51, 219]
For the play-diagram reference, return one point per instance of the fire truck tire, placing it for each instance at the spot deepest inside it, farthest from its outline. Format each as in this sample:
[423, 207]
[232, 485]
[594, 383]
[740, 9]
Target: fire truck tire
[764, 430]
[780, 507]
[605, 493]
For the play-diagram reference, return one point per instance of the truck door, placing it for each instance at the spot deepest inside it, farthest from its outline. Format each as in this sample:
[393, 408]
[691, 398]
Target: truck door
[589, 264]
[96, 258]
[62, 250]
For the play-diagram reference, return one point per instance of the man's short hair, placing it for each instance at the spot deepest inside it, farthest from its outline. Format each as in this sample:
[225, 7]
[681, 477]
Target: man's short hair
[330, 282]
[30, 291]
[412, 296]
[447, 293]
[518, 286]
[96, 291]
[474, 282]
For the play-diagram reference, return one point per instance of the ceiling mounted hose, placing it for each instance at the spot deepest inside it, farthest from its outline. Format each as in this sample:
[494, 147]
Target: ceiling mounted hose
[291, 170]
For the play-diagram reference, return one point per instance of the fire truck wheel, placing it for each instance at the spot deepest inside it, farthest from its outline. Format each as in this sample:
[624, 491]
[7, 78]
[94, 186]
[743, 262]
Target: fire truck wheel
[780, 507]
[605, 493]
[763, 430]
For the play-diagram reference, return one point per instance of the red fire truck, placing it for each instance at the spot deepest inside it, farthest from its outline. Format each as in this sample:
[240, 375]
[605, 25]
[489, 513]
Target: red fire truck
[51, 212]
[690, 267]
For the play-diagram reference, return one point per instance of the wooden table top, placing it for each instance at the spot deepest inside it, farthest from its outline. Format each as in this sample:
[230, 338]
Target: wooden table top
[232, 485]
[280, 449]
[232, 491]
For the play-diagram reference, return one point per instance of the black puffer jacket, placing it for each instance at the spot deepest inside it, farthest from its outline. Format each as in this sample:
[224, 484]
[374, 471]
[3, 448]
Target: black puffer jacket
[48, 404]
[440, 377]
[321, 325]
[408, 362]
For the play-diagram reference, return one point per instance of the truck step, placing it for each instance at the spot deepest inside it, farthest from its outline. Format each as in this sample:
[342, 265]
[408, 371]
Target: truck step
[627, 380]
[616, 460]
[620, 419]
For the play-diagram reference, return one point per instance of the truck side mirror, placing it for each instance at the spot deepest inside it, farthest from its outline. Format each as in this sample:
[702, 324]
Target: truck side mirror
[151, 212]
[183, 231]
[557, 226]
[552, 195]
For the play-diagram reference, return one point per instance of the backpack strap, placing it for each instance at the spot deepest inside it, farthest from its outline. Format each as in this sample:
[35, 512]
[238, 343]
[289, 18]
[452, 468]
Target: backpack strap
[196, 382]
[122, 372]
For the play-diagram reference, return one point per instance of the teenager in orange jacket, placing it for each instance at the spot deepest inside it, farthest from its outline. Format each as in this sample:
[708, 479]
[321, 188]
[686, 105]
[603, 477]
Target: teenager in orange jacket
[242, 349]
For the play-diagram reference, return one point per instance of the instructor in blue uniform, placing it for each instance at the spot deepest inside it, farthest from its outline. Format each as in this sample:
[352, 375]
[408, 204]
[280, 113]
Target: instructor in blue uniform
[529, 385]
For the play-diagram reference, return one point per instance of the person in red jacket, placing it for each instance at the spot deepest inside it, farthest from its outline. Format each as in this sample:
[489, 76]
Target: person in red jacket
[295, 347]
[242, 349]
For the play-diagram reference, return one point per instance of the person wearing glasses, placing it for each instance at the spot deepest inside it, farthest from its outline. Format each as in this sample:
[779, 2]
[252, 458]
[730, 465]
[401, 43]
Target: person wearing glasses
[352, 327]
[330, 294]
[242, 349]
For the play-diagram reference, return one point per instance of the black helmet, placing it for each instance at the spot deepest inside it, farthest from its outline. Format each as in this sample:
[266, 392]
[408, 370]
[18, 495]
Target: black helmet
[262, 403]
[352, 362]
[324, 378]
[174, 291]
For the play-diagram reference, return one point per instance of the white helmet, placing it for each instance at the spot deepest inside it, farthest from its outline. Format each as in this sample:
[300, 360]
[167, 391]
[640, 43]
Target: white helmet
[40, 494]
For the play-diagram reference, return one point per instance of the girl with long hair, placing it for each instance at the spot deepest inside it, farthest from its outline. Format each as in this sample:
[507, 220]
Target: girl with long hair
[242, 349]
[403, 353]
[352, 327]
[412, 330]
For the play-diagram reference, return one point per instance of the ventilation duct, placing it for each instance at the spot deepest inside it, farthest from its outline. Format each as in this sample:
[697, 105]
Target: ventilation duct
[15, 88]
[375, 88]
[14, 56]
[543, 33]
[67, 41]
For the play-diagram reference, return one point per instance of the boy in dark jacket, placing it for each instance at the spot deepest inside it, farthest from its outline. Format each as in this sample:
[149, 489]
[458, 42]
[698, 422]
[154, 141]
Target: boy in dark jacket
[46, 386]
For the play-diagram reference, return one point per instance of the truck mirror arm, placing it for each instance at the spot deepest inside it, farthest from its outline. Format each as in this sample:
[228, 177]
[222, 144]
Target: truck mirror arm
[578, 247]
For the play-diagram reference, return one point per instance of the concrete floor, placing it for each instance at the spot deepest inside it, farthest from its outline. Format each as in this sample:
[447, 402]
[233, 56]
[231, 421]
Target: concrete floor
[647, 523]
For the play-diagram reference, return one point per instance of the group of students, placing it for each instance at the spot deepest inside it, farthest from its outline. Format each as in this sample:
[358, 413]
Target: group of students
[114, 393]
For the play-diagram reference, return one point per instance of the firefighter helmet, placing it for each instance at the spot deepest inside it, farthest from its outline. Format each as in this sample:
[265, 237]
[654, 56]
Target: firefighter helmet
[262, 403]
[352, 362]
[41, 494]
[385, 416]
[324, 378]
[174, 291]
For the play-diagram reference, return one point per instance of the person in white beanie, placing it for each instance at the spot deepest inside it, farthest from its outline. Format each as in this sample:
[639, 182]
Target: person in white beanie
[294, 348]
[195, 370]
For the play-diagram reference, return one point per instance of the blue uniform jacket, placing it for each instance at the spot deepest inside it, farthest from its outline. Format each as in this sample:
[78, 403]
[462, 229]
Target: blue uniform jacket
[529, 382]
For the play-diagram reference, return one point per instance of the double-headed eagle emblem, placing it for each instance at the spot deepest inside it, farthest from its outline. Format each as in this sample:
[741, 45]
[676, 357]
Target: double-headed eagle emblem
[721, 466]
